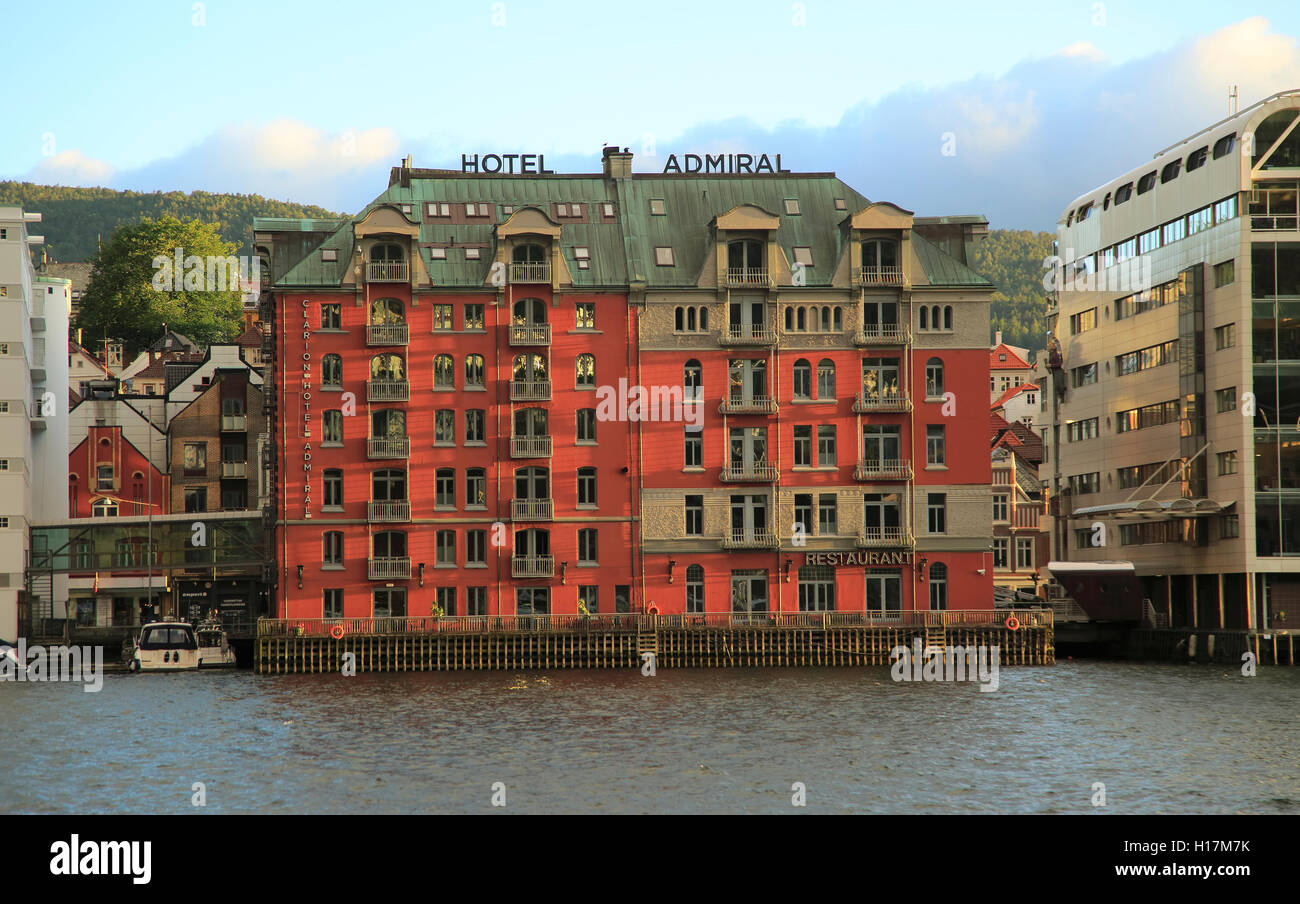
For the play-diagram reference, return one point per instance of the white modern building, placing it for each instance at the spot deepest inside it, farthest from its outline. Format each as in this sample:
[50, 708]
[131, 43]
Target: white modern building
[34, 314]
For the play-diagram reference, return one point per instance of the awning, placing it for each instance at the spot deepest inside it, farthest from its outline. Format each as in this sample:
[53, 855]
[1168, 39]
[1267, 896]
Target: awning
[1155, 509]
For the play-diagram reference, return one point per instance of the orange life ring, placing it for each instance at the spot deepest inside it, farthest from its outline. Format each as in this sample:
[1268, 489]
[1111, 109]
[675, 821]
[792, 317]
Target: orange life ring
[337, 632]
[1012, 623]
[653, 610]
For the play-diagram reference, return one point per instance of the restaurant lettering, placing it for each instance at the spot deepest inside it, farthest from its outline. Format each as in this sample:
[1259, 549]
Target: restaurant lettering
[723, 163]
[870, 559]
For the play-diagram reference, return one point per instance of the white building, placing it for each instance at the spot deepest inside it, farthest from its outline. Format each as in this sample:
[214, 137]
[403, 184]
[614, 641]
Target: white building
[34, 314]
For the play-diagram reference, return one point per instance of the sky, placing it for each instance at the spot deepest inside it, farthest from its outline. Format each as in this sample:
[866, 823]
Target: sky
[1007, 109]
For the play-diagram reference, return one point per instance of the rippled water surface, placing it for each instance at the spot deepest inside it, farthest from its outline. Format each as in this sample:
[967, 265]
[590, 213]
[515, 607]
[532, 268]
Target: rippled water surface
[1163, 738]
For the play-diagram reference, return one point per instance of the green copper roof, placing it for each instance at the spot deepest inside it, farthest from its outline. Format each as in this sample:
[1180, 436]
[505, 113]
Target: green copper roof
[620, 250]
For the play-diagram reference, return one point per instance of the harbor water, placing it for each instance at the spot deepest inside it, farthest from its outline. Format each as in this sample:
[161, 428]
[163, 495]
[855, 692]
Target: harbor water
[1161, 738]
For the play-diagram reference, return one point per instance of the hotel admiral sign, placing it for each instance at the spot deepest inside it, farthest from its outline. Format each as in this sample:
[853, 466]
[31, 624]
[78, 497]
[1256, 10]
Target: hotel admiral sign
[727, 164]
[870, 559]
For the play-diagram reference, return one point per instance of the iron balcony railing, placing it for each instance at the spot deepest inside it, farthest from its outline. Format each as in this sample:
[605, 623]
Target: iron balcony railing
[530, 334]
[388, 334]
[883, 469]
[234, 422]
[883, 334]
[389, 568]
[881, 276]
[388, 390]
[530, 273]
[747, 276]
[865, 404]
[530, 446]
[532, 509]
[748, 334]
[389, 510]
[759, 404]
[530, 390]
[388, 447]
[532, 566]
[754, 472]
[752, 538]
[388, 271]
[877, 537]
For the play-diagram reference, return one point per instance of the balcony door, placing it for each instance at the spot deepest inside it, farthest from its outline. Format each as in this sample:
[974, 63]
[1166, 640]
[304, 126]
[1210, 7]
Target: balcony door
[747, 379]
[748, 516]
[532, 483]
[745, 255]
[747, 317]
[530, 368]
[528, 311]
[881, 444]
[880, 378]
[389, 485]
[748, 447]
[531, 422]
[879, 316]
[881, 514]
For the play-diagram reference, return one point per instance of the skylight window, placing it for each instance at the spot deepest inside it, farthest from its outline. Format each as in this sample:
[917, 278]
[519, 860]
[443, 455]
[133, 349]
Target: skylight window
[607, 210]
[792, 207]
[329, 254]
[471, 254]
[657, 207]
[581, 252]
[438, 254]
[664, 256]
[840, 204]
[439, 210]
[803, 255]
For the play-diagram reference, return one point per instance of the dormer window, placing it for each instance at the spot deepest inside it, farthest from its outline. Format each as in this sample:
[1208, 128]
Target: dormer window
[329, 254]
[658, 208]
[387, 263]
[840, 204]
[792, 207]
[438, 254]
[472, 254]
[439, 210]
[529, 265]
[880, 253]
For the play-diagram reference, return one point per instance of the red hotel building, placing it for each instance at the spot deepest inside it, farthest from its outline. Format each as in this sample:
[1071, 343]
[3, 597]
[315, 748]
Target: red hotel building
[457, 373]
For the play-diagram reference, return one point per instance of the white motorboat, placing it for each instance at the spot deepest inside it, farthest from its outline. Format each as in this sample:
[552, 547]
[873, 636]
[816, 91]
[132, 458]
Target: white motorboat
[165, 646]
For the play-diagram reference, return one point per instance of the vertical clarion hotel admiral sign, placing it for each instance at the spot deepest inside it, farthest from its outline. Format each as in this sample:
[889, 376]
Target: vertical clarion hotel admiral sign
[472, 320]
[1153, 435]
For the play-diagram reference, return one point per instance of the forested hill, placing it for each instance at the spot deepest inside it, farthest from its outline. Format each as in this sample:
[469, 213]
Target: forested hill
[73, 218]
[1012, 259]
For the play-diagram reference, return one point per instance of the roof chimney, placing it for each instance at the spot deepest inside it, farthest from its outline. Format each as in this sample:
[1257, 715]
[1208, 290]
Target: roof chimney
[997, 338]
[616, 164]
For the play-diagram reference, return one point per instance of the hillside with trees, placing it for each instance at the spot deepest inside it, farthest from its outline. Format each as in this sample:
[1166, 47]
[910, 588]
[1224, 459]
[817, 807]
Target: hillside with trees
[1012, 259]
[75, 220]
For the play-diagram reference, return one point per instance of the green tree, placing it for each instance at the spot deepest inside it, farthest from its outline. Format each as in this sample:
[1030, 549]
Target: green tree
[1012, 259]
[127, 300]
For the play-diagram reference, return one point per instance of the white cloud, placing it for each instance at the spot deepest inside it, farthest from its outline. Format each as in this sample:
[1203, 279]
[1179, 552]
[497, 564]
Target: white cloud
[70, 168]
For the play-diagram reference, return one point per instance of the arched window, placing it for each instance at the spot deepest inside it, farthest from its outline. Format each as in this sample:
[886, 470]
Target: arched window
[387, 367]
[694, 588]
[934, 318]
[692, 380]
[387, 485]
[386, 251]
[386, 310]
[802, 379]
[826, 319]
[530, 253]
[947, 317]
[679, 321]
[704, 318]
[938, 586]
[528, 312]
[331, 371]
[690, 319]
[826, 379]
[838, 319]
[390, 544]
[934, 378]
[925, 317]
[444, 372]
[585, 368]
[801, 319]
[789, 318]
[103, 508]
[530, 368]
[474, 370]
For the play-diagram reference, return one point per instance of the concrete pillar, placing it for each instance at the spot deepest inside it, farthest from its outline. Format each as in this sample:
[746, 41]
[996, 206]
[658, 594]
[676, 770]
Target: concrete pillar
[1195, 614]
[1220, 624]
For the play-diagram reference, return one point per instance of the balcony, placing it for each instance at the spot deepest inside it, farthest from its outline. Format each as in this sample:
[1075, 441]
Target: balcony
[754, 405]
[530, 446]
[530, 334]
[388, 447]
[1028, 518]
[530, 390]
[883, 469]
[388, 390]
[885, 537]
[530, 273]
[891, 402]
[532, 509]
[389, 568]
[389, 510]
[756, 472]
[1273, 224]
[388, 271]
[388, 334]
[741, 277]
[757, 538]
[234, 423]
[748, 334]
[236, 469]
[881, 276]
[883, 334]
[532, 566]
